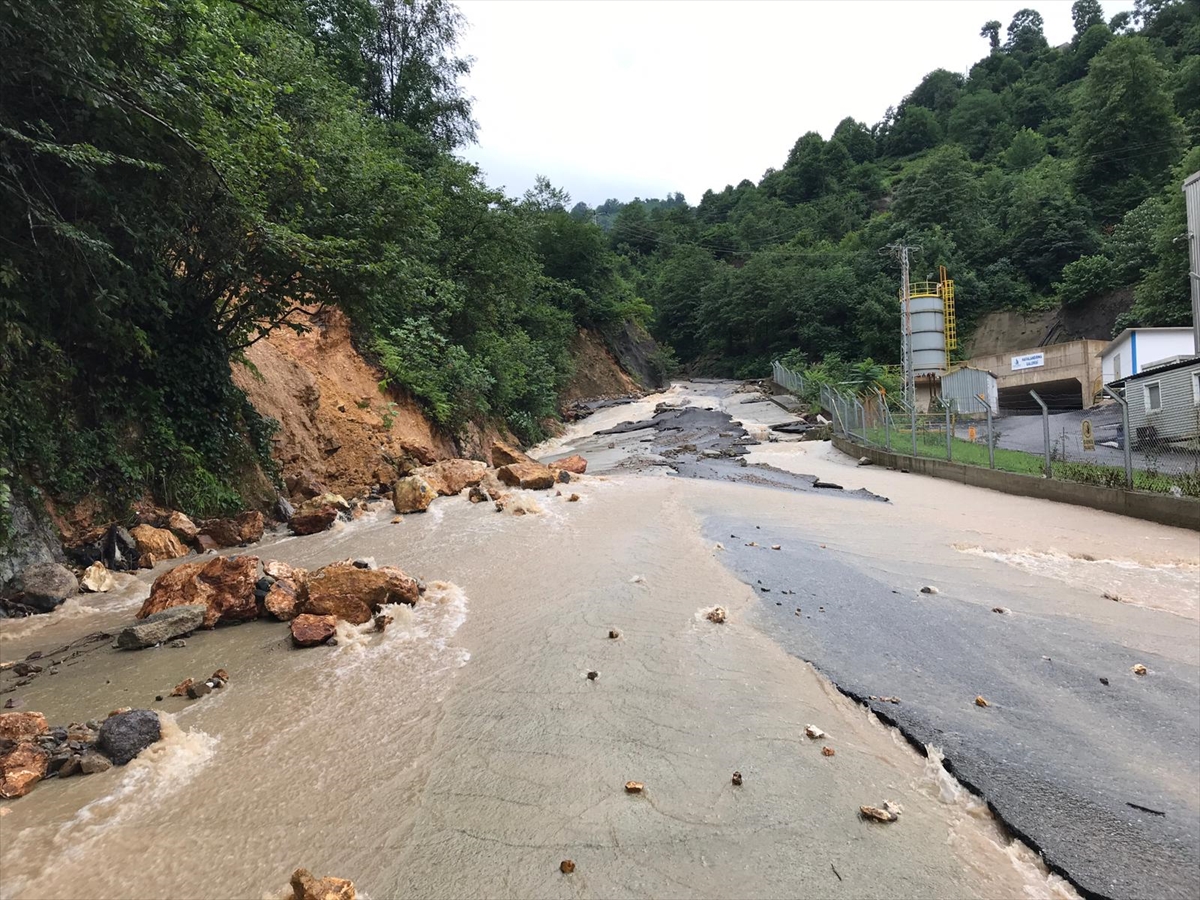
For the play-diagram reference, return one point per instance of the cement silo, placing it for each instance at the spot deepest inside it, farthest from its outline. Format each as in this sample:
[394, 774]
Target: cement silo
[929, 333]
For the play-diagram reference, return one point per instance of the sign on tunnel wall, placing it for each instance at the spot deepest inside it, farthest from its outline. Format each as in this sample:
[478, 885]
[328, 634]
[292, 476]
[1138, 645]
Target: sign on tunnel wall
[1028, 361]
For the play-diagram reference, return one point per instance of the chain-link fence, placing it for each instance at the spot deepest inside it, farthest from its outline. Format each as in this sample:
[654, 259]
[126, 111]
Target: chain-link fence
[1147, 439]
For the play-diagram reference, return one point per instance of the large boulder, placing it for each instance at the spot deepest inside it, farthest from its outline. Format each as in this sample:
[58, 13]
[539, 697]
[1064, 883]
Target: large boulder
[505, 454]
[307, 887]
[348, 592]
[412, 494]
[223, 585]
[576, 464]
[281, 599]
[309, 630]
[276, 568]
[112, 545]
[304, 484]
[312, 517]
[183, 527]
[155, 545]
[21, 768]
[125, 735]
[244, 528]
[162, 626]
[450, 476]
[45, 585]
[531, 476]
[97, 579]
[22, 726]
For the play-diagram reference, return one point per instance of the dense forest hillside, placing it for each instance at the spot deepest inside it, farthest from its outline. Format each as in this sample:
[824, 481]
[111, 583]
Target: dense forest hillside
[180, 178]
[1045, 176]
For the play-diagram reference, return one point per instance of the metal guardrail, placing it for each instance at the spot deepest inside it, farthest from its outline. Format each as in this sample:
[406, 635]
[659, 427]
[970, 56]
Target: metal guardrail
[1163, 457]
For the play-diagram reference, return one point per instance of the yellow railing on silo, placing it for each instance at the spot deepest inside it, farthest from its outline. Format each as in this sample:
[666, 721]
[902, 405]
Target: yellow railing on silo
[945, 290]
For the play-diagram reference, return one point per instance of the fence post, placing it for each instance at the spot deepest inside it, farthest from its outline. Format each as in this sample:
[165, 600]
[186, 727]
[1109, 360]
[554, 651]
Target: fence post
[1126, 439]
[991, 441]
[1045, 431]
[949, 433]
[887, 430]
[914, 428]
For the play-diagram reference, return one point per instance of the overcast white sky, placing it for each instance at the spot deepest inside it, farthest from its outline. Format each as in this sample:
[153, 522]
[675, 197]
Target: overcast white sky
[624, 98]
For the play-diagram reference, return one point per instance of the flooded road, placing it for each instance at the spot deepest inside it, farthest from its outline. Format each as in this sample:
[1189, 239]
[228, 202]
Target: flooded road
[464, 752]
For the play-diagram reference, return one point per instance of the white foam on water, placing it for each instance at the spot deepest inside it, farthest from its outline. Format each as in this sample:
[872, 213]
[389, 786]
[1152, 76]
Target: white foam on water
[1165, 586]
[978, 838]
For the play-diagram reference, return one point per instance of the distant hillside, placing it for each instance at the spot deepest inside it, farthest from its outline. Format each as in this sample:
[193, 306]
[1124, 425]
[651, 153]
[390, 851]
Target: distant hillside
[1047, 177]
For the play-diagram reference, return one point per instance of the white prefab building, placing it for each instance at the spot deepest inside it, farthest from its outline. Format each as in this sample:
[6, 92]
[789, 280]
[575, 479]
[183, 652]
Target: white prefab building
[1164, 404]
[1135, 350]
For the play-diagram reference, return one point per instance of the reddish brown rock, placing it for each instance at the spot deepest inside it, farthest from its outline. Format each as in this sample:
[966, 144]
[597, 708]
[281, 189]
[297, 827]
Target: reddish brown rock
[282, 598]
[21, 768]
[204, 543]
[278, 569]
[304, 484]
[155, 545]
[312, 520]
[449, 476]
[505, 454]
[244, 528]
[22, 726]
[307, 887]
[181, 689]
[531, 476]
[354, 594]
[576, 464]
[412, 494]
[225, 585]
[308, 630]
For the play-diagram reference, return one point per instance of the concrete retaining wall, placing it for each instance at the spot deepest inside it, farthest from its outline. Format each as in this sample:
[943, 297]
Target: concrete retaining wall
[1182, 512]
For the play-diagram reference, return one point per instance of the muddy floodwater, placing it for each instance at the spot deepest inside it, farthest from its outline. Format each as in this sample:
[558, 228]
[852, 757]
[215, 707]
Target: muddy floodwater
[465, 753]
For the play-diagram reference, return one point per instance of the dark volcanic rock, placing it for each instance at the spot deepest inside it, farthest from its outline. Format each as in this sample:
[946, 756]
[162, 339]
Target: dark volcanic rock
[125, 735]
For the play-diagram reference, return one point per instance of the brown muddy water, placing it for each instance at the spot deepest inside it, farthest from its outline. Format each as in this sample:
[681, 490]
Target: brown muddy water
[464, 752]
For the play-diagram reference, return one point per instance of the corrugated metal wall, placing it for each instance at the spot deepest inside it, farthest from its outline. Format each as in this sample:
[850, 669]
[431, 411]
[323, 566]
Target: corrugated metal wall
[964, 386]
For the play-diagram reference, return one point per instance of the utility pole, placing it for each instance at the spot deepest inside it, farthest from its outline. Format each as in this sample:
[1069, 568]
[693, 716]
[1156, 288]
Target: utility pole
[899, 250]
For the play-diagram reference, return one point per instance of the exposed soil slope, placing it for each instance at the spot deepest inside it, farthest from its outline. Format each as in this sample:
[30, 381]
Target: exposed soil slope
[336, 424]
[597, 373]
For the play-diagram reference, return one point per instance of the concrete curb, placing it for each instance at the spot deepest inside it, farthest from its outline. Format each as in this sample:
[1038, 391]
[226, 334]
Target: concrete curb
[1180, 512]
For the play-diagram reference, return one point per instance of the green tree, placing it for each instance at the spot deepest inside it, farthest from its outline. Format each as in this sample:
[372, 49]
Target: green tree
[1026, 31]
[1085, 14]
[991, 31]
[1026, 149]
[1126, 133]
[915, 129]
[978, 123]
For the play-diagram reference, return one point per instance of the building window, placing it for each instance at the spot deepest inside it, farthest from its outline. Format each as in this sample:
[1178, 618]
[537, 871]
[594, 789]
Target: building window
[1153, 397]
[1196, 388]
[1117, 367]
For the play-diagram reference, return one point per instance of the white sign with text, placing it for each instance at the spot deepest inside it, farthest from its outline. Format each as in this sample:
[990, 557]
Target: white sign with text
[1028, 361]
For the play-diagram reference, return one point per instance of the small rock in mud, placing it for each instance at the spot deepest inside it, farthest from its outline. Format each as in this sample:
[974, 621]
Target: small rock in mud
[574, 498]
[737, 779]
[814, 732]
[752, 544]
[567, 866]
[1139, 669]
[1001, 610]
[382, 621]
[92, 762]
[305, 886]
[776, 547]
[716, 615]
[396, 520]
[864, 461]
[634, 787]
[979, 701]
[827, 751]
[1104, 681]
[196, 690]
[221, 674]
[885, 699]
[1116, 598]
[613, 634]
[182, 688]
[477, 495]
[929, 589]
[637, 579]
[178, 644]
[889, 812]
[767, 590]
[593, 675]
